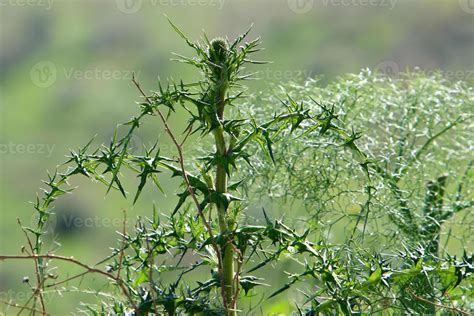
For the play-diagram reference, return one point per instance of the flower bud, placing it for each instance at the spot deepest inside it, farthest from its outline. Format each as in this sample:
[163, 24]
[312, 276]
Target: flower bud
[218, 51]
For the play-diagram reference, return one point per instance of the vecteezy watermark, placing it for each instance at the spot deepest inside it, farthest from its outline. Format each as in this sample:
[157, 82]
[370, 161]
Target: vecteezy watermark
[133, 6]
[27, 149]
[45, 73]
[17, 297]
[136, 145]
[49, 224]
[98, 74]
[67, 221]
[129, 6]
[361, 3]
[388, 68]
[392, 69]
[47, 4]
[304, 6]
[91, 222]
[280, 75]
[467, 6]
[453, 74]
[300, 6]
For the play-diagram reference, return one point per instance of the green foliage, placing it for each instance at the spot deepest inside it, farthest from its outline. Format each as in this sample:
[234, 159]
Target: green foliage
[207, 254]
[417, 134]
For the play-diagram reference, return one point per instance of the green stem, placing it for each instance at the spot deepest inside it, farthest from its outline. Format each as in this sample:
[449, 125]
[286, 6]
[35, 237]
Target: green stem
[227, 250]
[225, 230]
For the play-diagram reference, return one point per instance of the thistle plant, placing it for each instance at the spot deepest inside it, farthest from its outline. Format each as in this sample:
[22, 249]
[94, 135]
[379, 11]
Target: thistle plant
[209, 255]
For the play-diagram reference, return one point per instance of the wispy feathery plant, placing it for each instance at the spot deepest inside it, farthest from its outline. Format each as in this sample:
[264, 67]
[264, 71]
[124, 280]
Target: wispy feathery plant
[417, 132]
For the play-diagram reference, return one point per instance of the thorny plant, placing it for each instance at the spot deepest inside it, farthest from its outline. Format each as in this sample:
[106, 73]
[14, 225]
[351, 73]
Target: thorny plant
[210, 230]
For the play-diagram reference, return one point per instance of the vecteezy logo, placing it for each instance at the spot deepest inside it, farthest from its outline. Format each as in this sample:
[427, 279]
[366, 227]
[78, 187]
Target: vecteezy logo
[388, 68]
[300, 6]
[129, 6]
[49, 225]
[135, 145]
[467, 6]
[43, 74]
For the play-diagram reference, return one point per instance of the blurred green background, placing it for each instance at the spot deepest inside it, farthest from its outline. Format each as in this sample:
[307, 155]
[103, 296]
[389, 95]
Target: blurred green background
[65, 71]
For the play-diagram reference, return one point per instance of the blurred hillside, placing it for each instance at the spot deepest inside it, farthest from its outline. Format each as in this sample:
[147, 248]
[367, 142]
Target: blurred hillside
[65, 71]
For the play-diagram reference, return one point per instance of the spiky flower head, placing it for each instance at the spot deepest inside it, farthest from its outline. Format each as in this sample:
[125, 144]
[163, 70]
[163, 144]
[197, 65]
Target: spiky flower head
[218, 50]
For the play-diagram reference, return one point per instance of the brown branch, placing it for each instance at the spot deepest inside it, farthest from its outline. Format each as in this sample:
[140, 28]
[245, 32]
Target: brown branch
[424, 300]
[189, 131]
[119, 281]
[66, 280]
[39, 285]
[23, 307]
[122, 250]
[188, 185]
[151, 260]
[237, 274]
